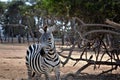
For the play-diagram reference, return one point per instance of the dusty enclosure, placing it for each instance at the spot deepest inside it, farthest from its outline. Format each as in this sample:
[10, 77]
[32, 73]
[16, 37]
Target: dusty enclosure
[12, 66]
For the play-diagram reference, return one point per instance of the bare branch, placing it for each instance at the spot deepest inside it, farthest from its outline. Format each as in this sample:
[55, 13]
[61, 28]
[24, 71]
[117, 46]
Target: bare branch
[101, 31]
[98, 25]
[76, 18]
[116, 25]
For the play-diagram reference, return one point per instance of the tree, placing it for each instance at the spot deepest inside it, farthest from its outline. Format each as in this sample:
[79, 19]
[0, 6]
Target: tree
[2, 9]
[91, 11]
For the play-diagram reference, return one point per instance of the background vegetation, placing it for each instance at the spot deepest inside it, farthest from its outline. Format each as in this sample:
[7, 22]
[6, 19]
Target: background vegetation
[35, 13]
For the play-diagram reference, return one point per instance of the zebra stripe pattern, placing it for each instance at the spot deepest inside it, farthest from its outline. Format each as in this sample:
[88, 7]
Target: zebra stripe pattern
[42, 58]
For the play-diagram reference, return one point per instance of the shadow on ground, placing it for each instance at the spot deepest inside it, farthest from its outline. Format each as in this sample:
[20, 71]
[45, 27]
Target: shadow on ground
[84, 76]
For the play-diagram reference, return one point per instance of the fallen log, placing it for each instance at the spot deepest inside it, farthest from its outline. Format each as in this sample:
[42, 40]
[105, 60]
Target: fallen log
[116, 25]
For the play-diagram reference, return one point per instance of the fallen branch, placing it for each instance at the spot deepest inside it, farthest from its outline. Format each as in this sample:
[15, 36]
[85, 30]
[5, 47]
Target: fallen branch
[76, 18]
[98, 25]
[116, 25]
[82, 68]
[108, 71]
[69, 56]
[101, 31]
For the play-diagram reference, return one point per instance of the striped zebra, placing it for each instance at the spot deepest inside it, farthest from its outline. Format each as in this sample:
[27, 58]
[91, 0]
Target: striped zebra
[42, 58]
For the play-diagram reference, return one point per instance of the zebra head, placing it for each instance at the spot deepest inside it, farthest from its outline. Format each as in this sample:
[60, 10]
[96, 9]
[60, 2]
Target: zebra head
[47, 39]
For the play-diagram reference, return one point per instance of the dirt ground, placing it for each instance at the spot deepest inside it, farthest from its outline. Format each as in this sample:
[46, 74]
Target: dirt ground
[12, 66]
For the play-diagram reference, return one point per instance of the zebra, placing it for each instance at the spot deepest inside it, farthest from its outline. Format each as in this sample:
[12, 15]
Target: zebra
[42, 58]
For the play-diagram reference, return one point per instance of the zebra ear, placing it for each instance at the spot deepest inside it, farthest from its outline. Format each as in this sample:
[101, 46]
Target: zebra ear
[41, 31]
[44, 29]
[47, 29]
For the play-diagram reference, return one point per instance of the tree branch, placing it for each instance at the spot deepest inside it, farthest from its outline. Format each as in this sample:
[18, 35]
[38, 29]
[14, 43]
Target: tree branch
[116, 25]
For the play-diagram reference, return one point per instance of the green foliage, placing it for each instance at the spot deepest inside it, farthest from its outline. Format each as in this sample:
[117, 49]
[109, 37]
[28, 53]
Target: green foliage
[92, 11]
[89, 10]
[2, 7]
[13, 12]
[98, 10]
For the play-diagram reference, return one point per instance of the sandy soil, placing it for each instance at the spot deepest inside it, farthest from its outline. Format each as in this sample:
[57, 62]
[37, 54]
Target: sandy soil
[12, 65]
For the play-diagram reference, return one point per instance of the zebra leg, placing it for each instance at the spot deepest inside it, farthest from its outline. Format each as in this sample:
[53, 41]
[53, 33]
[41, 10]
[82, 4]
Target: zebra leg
[37, 76]
[47, 77]
[57, 73]
[29, 72]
